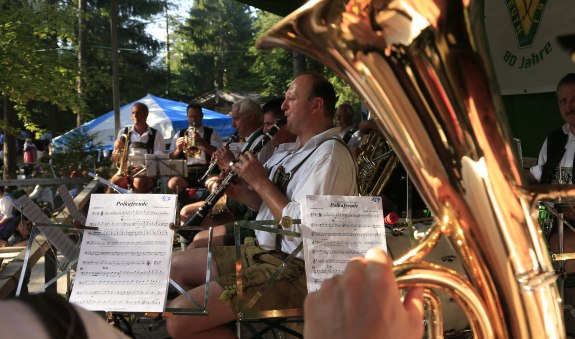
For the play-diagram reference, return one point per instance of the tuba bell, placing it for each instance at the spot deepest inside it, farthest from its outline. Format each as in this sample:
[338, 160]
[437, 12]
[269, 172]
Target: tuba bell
[190, 149]
[423, 68]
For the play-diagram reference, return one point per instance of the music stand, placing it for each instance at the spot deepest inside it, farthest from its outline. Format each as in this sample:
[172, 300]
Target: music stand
[162, 165]
[54, 235]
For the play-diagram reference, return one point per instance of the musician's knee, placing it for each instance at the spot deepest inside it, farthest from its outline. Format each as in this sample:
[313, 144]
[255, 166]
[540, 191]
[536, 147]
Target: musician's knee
[177, 184]
[143, 184]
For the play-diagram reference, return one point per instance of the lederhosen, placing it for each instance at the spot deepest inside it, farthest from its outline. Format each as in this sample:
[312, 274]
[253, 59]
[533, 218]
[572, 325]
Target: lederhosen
[148, 146]
[196, 171]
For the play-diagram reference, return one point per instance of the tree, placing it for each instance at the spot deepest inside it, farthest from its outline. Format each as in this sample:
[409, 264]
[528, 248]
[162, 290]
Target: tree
[213, 45]
[34, 66]
[272, 67]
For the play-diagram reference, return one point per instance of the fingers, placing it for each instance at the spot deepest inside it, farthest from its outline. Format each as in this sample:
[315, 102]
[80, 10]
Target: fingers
[413, 305]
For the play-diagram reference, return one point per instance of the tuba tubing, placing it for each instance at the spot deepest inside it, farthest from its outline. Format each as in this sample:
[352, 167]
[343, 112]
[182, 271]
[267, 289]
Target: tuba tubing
[422, 66]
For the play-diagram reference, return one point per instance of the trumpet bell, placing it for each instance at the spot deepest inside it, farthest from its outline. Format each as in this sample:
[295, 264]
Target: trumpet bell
[423, 69]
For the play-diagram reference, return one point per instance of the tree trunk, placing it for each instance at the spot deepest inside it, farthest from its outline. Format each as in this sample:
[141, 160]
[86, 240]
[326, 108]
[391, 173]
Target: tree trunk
[81, 58]
[299, 64]
[115, 74]
[10, 155]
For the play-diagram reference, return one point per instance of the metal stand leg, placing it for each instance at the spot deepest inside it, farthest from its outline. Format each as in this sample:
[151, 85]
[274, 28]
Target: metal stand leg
[33, 234]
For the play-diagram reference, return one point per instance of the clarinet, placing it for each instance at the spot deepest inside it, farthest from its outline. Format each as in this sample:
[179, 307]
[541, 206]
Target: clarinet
[214, 163]
[211, 200]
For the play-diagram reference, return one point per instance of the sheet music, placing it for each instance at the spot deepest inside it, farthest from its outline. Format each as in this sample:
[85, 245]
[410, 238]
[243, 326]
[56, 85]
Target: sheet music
[174, 167]
[54, 235]
[336, 229]
[154, 163]
[124, 266]
[71, 205]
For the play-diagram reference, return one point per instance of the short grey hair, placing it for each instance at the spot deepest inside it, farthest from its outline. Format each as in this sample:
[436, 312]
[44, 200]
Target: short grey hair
[249, 107]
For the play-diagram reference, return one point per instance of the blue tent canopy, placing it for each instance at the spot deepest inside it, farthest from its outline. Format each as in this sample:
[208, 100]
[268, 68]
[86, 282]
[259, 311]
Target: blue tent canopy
[165, 115]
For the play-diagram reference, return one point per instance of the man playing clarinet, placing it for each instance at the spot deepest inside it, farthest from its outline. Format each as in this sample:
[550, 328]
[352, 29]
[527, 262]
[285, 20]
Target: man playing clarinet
[320, 163]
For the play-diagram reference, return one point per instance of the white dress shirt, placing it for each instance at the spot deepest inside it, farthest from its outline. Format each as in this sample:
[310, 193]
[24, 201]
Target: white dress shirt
[329, 170]
[215, 140]
[566, 161]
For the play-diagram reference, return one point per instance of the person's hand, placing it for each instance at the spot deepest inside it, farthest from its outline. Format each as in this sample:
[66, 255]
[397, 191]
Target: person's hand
[364, 302]
[224, 156]
[250, 169]
[118, 144]
[180, 143]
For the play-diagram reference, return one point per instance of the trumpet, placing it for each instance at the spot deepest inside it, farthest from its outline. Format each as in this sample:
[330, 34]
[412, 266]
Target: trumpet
[122, 156]
[214, 162]
[190, 148]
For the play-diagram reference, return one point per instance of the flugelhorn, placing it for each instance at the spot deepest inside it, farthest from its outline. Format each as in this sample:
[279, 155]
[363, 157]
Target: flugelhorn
[190, 148]
[122, 156]
[422, 66]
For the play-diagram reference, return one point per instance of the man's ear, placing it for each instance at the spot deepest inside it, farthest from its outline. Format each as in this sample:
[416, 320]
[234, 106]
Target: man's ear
[317, 104]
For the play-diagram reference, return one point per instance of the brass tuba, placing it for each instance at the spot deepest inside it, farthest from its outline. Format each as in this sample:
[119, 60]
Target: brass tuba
[122, 156]
[423, 68]
[190, 148]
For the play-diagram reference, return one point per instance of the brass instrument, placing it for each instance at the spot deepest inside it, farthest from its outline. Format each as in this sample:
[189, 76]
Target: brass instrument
[423, 68]
[190, 149]
[376, 163]
[122, 156]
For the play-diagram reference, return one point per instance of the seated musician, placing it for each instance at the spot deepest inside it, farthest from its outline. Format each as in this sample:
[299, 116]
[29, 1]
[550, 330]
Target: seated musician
[319, 164]
[195, 144]
[283, 142]
[247, 119]
[344, 115]
[142, 139]
[558, 151]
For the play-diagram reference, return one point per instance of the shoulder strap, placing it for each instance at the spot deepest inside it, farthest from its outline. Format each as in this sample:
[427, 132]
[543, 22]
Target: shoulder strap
[208, 134]
[556, 141]
[151, 140]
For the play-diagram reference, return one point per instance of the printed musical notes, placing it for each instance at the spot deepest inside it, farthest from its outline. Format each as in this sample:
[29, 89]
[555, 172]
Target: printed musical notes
[336, 229]
[124, 265]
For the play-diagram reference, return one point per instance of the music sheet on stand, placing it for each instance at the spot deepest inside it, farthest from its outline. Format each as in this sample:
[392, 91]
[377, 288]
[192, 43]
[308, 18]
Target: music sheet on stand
[124, 266]
[336, 229]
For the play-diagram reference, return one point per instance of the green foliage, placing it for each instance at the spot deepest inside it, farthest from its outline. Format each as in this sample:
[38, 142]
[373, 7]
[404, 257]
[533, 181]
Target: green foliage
[273, 67]
[34, 64]
[213, 46]
[79, 151]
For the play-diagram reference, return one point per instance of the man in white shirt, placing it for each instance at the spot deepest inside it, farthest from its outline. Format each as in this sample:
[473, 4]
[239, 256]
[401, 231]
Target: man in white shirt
[320, 163]
[556, 160]
[205, 139]
[344, 118]
[142, 139]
